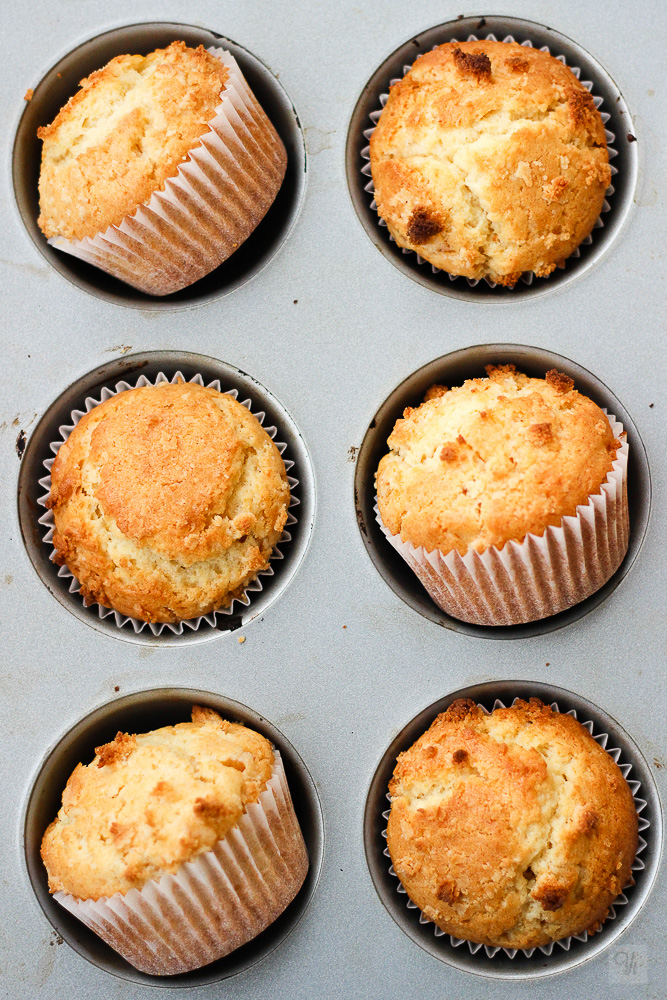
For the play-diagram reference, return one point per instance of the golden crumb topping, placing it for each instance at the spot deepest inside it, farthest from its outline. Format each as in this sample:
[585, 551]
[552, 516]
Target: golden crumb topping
[120, 137]
[148, 803]
[490, 159]
[492, 460]
[511, 829]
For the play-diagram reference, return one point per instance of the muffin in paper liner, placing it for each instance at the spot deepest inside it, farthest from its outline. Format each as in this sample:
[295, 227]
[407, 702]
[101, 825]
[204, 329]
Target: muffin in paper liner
[214, 904]
[528, 276]
[621, 900]
[540, 576]
[206, 210]
[47, 521]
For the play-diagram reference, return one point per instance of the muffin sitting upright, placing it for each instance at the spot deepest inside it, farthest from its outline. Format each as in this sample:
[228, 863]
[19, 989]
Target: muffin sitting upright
[513, 829]
[167, 501]
[490, 159]
[159, 167]
[483, 493]
[178, 845]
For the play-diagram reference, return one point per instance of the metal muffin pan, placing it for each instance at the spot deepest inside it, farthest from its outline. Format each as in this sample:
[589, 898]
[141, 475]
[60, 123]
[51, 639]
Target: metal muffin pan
[139, 713]
[128, 369]
[341, 661]
[500, 965]
[623, 153]
[62, 81]
[452, 370]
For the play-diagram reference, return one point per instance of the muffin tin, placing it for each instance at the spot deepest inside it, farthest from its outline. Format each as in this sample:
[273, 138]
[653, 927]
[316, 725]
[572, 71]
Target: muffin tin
[501, 963]
[139, 713]
[452, 370]
[340, 654]
[607, 97]
[62, 80]
[34, 486]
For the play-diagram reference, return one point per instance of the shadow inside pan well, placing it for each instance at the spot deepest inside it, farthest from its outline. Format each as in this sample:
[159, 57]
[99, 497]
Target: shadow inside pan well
[129, 368]
[452, 370]
[501, 966]
[623, 155]
[137, 713]
[62, 81]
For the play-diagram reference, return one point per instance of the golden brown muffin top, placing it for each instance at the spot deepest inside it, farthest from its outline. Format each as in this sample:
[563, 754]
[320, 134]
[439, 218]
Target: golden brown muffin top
[120, 137]
[167, 501]
[492, 460]
[511, 829]
[490, 159]
[148, 803]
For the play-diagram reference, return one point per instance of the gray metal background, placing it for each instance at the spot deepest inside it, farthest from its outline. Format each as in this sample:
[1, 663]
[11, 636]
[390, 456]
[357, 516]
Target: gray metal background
[359, 327]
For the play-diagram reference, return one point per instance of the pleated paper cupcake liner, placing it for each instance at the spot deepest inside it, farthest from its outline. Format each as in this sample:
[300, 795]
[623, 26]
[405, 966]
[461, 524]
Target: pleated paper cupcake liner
[256, 585]
[214, 904]
[528, 276]
[540, 576]
[207, 210]
[621, 900]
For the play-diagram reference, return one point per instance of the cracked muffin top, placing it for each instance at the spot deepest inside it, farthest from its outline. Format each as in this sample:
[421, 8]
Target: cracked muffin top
[148, 803]
[490, 159]
[120, 137]
[512, 829]
[167, 501]
[492, 460]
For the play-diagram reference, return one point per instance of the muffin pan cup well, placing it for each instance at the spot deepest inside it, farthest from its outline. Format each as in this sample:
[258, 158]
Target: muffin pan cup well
[142, 712]
[501, 963]
[58, 85]
[149, 368]
[615, 115]
[452, 370]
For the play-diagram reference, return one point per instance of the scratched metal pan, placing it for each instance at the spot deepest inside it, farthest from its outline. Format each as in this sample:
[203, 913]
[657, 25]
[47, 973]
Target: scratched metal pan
[370, 332]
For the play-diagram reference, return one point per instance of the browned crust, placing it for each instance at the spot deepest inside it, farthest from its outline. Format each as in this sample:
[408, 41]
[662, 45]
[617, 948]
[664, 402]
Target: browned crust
[492, 461]
[514, 829]
[167, 501]
[503, 147]
[472, 63]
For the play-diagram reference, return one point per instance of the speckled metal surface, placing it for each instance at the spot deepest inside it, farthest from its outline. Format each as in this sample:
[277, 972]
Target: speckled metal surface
[338, 663]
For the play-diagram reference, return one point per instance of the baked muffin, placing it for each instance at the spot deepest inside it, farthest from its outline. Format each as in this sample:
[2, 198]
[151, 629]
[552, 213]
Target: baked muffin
[490, 159]
[167, 501]
[513, 829]
[497, 461]
[178, 845]
[180, 122]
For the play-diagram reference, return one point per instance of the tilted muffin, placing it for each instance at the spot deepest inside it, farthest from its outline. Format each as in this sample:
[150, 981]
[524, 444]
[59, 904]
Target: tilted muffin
[180, 124]
[512, 829]
[497, 463]
[122, 135]
[147, 803]
[167, 501]
[490, 159]
[178, 845]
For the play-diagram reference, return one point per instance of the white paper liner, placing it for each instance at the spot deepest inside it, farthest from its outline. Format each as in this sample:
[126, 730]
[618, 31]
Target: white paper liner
[527, 277]
[621, 899]
[207, 210]
[255, 586]
[214, 904]
[541, 576]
